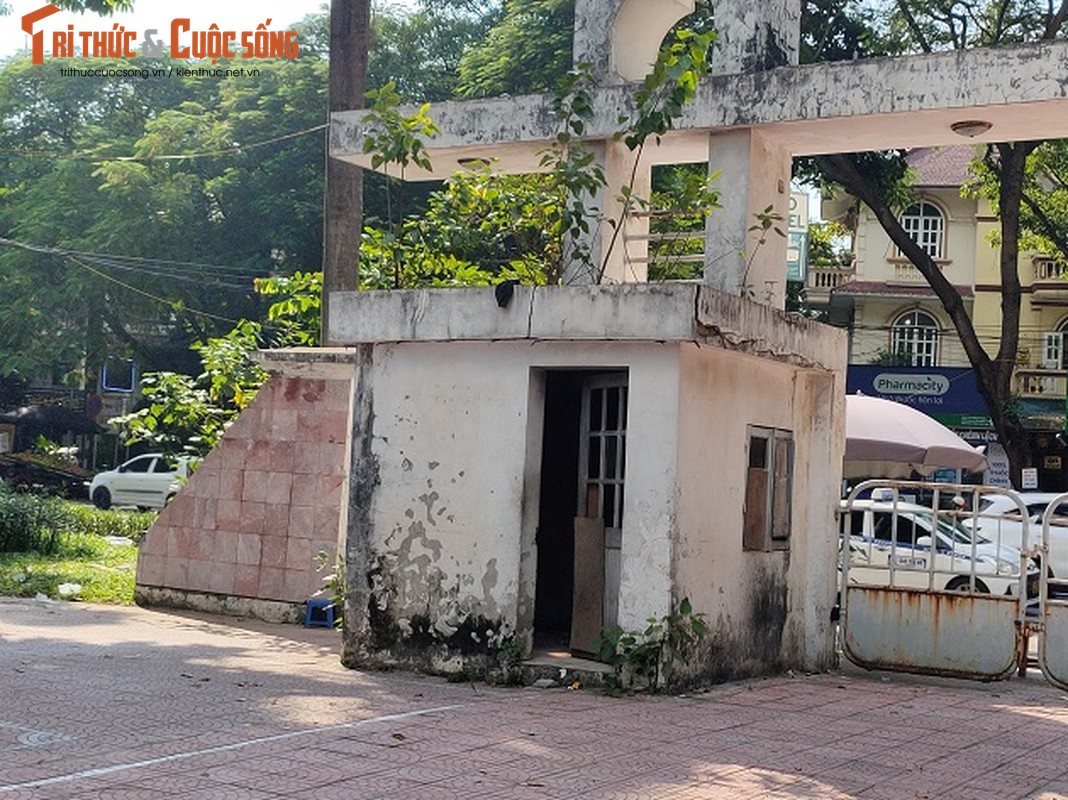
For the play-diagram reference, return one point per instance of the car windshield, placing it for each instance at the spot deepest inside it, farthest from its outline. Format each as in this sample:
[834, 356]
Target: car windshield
[949, 530]
[956, 533]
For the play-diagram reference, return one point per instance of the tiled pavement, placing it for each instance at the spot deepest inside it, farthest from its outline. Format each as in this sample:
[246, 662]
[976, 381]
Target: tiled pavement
[117, 703]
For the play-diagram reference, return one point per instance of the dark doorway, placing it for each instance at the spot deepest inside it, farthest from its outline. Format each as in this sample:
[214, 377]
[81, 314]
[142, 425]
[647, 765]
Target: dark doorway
[557, 509]
[582, 463]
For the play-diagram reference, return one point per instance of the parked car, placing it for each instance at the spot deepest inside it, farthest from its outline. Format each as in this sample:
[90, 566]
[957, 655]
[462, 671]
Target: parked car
[876, 543]
[998, 519]
[147, 481]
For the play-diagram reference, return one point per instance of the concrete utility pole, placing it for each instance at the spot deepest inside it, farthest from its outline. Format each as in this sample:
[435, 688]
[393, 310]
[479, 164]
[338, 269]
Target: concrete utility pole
[350, 36]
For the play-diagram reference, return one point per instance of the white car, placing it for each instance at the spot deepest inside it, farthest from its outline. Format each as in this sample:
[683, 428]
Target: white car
[876, 543]
[998, 519]
[147, 481]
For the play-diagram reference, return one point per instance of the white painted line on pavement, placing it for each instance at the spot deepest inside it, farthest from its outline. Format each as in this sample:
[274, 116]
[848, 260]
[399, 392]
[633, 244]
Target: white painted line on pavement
[278, 737]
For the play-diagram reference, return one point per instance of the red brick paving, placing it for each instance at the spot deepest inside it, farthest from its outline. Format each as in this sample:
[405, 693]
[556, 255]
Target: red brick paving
[100, 702]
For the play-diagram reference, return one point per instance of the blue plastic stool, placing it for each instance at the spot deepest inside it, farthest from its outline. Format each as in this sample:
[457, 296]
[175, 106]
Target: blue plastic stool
[319, 613]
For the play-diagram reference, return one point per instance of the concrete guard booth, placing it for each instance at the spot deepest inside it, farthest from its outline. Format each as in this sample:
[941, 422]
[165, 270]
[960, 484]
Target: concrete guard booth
[586, 455]
[589, 456]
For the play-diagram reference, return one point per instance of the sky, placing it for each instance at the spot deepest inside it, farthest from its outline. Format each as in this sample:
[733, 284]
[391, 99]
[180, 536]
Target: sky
[239, 16]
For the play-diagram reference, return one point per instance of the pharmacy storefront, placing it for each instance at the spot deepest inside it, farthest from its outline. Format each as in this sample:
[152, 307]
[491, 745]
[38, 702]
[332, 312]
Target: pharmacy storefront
[949, 395]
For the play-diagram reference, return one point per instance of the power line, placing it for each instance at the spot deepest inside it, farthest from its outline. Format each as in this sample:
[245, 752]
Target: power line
[95, 158]
[149, 295]
[159, 273]
[76, 258]
[225, 151]
[176, 270]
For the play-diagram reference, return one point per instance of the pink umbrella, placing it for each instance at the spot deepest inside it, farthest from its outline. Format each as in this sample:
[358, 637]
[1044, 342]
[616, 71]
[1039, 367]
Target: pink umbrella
[885, 439]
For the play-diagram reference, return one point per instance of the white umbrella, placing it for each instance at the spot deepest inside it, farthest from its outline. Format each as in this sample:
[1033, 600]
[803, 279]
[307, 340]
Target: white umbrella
[885, 439]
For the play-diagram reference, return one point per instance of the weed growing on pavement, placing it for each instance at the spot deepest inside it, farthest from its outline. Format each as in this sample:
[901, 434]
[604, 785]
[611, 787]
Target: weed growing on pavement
[647, 659]
[508, 671]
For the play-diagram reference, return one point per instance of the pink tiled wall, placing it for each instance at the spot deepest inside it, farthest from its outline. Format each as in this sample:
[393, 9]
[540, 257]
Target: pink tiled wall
[264, 502]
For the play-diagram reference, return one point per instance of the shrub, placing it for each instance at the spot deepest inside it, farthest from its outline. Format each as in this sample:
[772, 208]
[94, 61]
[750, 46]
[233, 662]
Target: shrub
[86, 519]
[30, 522]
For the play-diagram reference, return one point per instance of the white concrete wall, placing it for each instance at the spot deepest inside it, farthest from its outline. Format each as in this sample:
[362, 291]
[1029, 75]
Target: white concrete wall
[868, 104]
[450, 514]
[447, 474]
[765, 609]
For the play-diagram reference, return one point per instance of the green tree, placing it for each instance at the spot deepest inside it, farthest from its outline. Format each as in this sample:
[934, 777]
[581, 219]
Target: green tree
[419, 51]
[180, 413]
[927, 26]
[529, 50]
[91, 167]
[480, 226]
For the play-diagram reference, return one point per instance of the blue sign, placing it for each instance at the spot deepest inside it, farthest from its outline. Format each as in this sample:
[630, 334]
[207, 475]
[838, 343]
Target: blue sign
[949, 394]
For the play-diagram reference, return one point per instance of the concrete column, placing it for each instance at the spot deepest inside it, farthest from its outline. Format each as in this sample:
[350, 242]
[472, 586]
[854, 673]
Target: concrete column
[754, 174]
[624, 254]
[752, 37]
[620, 38]
[618, 247]
[583, 269]
[357, 643]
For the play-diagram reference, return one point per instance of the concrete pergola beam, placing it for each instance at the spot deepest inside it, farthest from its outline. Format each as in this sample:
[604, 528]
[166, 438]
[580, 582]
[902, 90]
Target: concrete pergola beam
[820, 108]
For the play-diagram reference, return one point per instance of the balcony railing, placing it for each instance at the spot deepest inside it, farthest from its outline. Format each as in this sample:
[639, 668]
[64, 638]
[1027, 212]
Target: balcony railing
[822, 279]
[1046, 269]
[907, 273]
[1039, 383]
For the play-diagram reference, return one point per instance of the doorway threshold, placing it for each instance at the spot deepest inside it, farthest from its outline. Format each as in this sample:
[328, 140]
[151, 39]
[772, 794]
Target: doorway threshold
[565, 668]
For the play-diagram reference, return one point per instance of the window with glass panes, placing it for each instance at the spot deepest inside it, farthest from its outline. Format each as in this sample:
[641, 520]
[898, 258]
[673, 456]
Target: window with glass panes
[768, 489]
[604, 451]
[924, 223]
[914, 339]
[1054, 353]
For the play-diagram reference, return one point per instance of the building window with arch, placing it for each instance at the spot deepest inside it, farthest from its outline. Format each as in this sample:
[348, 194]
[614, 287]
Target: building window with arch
[1054, 353]
[924, 223]
[914, 339]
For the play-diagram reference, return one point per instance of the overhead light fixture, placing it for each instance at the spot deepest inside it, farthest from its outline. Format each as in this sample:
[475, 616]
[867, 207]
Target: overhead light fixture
[970, 127]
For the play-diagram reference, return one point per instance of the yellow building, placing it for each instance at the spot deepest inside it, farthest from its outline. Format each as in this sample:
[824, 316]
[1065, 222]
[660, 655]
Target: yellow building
[896, 321]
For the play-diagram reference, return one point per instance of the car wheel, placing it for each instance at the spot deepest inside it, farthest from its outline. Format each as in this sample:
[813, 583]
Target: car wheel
[962, 583]
[102, 498]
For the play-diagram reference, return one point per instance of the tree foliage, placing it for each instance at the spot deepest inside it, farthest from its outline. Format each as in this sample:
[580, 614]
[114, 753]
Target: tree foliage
[181, 413]
[92, 167]
[927, 26]
[419, 51]
[529, 50]
[440, 249]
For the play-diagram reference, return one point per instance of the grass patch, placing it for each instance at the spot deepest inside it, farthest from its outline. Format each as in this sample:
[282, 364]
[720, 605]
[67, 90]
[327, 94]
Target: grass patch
[105, 571]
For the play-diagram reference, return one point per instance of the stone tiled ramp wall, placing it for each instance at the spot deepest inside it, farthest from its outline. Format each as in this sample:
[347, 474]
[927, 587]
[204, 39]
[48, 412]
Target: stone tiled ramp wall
[242, 535]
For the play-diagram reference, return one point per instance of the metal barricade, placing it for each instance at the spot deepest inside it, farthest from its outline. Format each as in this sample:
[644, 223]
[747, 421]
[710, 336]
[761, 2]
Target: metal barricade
[1053, 625]
[921, 591]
